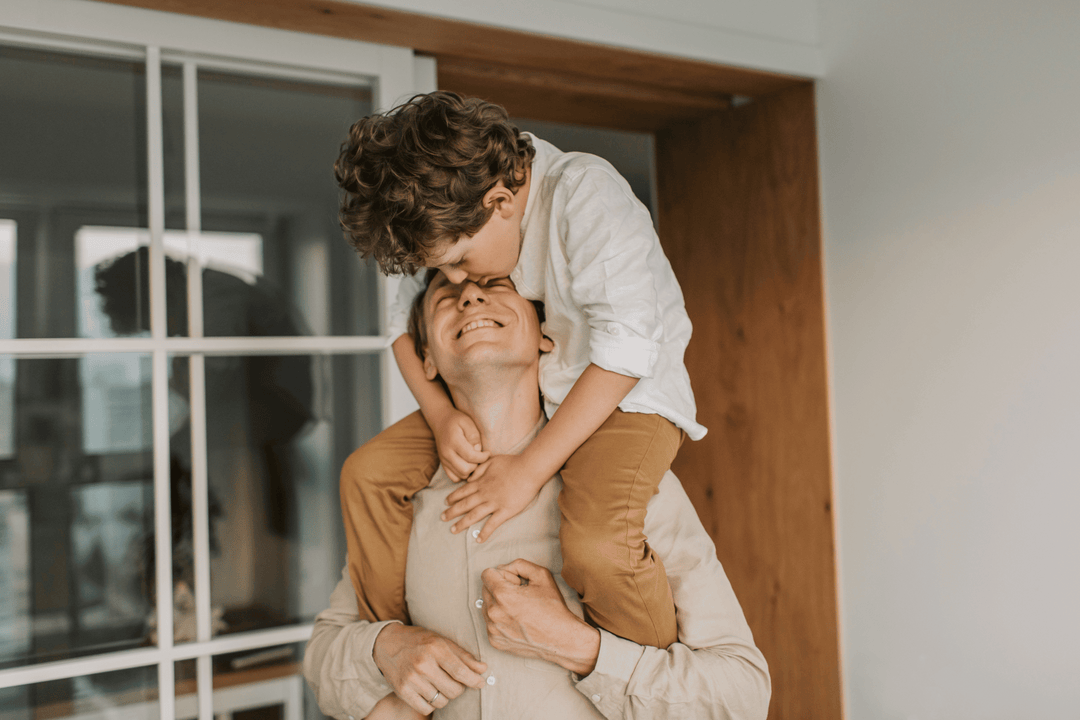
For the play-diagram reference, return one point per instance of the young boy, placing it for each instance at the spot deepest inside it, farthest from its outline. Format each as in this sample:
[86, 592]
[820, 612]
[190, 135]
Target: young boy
[449, 183]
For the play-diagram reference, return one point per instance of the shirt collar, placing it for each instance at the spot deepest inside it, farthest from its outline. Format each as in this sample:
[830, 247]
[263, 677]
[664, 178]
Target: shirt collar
[545, 152]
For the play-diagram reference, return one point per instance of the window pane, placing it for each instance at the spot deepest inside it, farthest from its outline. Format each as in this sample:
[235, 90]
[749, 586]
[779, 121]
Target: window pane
[266, 152]
[76, 493]
[74, 154]
[279, 429]
[128, 694]
[259, 684]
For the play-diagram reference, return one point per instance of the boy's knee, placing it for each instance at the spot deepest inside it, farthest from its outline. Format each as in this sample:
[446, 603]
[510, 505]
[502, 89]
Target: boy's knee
[364, 471]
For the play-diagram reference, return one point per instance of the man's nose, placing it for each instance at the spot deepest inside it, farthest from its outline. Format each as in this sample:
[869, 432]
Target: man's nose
[471, 293]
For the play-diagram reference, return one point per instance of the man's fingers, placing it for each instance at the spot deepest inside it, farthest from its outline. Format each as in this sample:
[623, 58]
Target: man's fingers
[467, 669]
[531, 572]
[414, 700]
[474, 516]
[461, 507]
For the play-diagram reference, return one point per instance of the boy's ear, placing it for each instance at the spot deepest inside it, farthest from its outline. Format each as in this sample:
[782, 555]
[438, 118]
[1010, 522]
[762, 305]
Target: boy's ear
[546, 344]
[430, 371]
[501, 199]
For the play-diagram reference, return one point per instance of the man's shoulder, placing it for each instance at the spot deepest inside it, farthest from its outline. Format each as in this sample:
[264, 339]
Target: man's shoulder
[673, 526]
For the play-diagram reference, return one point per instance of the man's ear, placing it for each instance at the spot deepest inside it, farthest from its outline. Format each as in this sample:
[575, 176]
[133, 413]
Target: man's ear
[430, 371]
[501, 199]
[546, 344]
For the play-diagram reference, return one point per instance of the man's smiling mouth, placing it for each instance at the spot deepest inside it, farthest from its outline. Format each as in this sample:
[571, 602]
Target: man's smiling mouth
[477, 324]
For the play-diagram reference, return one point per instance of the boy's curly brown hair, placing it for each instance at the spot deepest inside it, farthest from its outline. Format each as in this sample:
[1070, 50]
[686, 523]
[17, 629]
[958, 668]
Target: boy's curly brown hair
[418, 174]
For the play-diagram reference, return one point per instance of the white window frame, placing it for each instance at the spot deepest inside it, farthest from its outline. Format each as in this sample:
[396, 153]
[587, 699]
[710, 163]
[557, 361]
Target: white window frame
[96, 28]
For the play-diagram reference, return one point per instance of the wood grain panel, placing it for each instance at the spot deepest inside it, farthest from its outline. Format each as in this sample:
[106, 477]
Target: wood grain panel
[442, 37]
[740, 222]
[575, 98]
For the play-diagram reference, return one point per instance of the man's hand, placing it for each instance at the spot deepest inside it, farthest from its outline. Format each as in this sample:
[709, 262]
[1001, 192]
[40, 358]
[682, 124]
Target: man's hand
[418, 663]
[458, 443]
[501, 487]
[527, 616]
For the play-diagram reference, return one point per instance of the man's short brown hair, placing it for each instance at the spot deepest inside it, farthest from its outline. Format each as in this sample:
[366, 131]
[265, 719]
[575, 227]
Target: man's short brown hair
[418, 174]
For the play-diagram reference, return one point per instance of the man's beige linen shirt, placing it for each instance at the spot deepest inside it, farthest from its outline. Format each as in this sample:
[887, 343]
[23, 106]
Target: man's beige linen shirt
[714, 671]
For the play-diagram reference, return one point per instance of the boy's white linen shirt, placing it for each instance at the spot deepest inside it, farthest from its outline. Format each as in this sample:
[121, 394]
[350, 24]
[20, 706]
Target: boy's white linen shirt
[590, 254]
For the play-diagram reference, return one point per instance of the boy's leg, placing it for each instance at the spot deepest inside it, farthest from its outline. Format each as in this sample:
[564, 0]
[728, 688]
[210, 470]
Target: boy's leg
[377, 482]
[606, 486]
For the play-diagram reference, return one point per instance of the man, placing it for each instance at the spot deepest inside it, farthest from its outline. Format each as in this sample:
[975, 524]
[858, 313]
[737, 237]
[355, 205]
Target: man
[494, 634]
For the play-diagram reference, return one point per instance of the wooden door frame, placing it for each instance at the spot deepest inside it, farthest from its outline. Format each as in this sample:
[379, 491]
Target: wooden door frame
[739, 219]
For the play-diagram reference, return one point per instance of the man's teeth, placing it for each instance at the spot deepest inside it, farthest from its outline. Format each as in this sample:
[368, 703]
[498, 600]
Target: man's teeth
[478, 324]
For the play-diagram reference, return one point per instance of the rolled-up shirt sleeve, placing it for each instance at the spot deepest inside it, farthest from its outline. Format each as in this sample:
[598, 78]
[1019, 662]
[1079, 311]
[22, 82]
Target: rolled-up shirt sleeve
[715, 671]
[409, 286]
[610, 241]
[338, 662]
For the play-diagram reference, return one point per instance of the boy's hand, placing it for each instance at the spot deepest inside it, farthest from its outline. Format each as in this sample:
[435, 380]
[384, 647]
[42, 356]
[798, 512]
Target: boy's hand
[501, 487]
[458, 443]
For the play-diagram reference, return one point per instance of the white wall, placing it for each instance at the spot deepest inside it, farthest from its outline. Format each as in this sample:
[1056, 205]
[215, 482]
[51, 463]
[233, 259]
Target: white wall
[950, 149]
[776, 35]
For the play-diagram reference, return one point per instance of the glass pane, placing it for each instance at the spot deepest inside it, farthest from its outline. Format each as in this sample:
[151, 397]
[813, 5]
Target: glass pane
[251, 685]
[74, 155]
[269, 209]
[279, 429]
[128, 694]
[76, 494]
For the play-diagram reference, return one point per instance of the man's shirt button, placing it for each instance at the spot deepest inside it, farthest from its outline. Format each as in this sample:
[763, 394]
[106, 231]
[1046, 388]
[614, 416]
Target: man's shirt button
[596, 698]
[491, 680]
[476, 533]
[479, 602]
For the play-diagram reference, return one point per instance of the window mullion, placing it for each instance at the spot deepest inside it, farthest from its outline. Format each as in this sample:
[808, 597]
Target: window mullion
[160, 382]
[200, 503]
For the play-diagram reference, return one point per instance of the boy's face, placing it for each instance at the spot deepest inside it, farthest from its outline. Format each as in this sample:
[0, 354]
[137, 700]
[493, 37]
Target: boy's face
[493, 251]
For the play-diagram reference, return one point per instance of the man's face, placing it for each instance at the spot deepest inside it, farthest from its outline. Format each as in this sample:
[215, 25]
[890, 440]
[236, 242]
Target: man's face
[469, 324]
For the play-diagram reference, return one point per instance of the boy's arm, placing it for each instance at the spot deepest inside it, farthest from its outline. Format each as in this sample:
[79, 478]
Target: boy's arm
[456, 436]
[505, 485]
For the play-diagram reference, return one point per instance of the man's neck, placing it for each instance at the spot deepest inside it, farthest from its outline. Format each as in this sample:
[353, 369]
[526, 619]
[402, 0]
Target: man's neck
[505, 408]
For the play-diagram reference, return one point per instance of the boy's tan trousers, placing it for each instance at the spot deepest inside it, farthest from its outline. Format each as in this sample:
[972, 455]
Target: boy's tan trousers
[606, 486]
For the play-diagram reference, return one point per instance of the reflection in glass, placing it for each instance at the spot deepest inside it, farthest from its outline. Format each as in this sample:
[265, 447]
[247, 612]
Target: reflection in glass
[264, 684]
[114, 288]
[77, 501]
[259, 684]
[266, 153]
[74, 153]
[278, 430]
[127, 694]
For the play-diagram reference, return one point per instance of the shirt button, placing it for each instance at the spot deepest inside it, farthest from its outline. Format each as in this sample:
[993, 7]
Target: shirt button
[491, 680]
[595, 698]
[479, 602]
[476, 533]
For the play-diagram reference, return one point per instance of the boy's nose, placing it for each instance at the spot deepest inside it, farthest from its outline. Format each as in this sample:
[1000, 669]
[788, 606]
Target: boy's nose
[455, 275]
